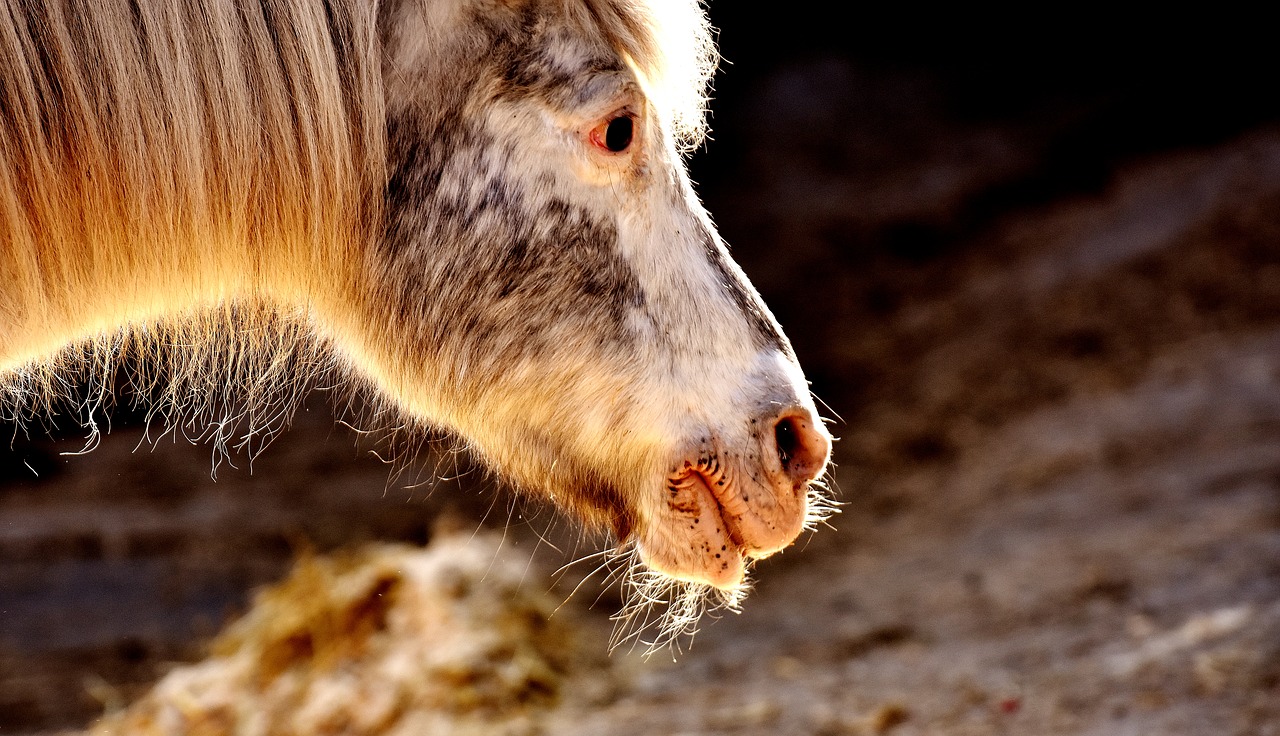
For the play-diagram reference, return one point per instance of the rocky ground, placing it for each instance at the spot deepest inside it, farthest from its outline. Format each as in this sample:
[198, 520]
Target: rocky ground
[1054, 347]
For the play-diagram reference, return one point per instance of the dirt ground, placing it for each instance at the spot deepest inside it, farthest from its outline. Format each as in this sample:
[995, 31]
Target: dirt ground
[1054, 349]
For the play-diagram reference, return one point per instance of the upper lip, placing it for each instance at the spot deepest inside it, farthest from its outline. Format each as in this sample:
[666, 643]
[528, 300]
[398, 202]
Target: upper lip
[713, 478]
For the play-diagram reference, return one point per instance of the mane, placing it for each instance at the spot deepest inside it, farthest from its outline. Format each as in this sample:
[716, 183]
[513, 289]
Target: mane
[185, 129]
[163, 136]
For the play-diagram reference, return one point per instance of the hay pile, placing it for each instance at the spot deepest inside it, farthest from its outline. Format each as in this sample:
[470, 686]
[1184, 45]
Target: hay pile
[389, 640]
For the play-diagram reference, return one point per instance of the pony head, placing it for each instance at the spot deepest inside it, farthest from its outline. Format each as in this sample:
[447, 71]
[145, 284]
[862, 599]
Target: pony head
[548, 286]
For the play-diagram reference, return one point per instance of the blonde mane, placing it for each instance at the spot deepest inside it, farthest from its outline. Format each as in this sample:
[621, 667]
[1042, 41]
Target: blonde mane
[151, 155]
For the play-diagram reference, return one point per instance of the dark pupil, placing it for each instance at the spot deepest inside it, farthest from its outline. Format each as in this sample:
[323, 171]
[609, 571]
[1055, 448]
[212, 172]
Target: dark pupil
[618, 135]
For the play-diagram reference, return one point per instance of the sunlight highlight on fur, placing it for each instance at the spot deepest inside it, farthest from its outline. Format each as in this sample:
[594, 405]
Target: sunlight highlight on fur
[660, 613]
[822, 504]
[230, 378]
[670, 44]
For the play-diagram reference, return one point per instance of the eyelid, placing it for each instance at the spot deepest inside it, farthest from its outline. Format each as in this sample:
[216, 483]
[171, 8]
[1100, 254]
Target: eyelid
[608, 93]
[626, 110]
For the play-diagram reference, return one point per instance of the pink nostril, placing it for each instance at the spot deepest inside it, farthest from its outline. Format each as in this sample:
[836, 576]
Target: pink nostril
[801, 447]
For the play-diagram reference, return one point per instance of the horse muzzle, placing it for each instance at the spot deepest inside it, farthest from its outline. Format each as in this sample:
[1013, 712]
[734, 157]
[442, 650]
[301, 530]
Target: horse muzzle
[723, 506]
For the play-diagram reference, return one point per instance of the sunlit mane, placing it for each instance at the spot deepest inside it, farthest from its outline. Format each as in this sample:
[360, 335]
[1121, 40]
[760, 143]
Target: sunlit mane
[170, 144]
[193, 130]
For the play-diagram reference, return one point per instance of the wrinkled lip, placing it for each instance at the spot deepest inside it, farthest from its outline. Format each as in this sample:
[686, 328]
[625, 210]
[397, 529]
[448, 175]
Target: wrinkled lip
[715, 519]
[710, 484]
[703, 535]
[724, 503]
[756, 529]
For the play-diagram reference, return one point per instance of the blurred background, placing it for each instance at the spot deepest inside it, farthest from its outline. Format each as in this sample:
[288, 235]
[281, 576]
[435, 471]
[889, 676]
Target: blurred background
[1032, 264]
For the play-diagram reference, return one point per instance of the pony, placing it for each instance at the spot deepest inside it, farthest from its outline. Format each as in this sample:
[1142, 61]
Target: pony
[474, 213]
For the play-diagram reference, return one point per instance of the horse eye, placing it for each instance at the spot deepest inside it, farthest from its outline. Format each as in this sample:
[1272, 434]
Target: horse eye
[618, 135]
[615, 135]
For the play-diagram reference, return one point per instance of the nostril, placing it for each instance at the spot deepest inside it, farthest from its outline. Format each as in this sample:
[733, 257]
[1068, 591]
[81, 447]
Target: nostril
[787, 438]
[801, 448]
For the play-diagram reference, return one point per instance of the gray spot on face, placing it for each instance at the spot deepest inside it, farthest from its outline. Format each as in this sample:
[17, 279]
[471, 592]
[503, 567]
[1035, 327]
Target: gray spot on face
[531, 67]
[482, 256]
[473, 253]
